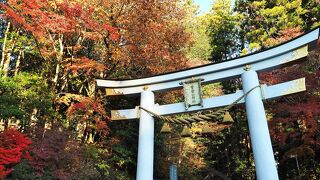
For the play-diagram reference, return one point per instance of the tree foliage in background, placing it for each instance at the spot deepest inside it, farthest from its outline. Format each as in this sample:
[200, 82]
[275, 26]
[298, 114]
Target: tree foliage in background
[223, 29]
[23, 97]
[266, 21]
[196, 24]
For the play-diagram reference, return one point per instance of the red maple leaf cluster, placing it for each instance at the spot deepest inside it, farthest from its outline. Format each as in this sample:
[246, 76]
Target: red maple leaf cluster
[13, 147]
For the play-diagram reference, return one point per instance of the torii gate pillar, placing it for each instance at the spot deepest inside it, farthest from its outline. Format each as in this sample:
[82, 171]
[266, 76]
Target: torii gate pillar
[258, 126]
[146, 138]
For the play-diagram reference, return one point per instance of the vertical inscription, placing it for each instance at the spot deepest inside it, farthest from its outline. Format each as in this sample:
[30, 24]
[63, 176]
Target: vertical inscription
[192, 93]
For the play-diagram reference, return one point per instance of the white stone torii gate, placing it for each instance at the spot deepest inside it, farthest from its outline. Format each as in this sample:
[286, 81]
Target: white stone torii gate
[275, 57]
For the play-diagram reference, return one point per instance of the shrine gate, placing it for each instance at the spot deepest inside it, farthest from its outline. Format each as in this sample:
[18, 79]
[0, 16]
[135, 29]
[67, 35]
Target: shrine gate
[246, 68]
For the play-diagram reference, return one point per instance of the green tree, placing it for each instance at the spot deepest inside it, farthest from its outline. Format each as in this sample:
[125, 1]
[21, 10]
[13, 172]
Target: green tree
[267, 21]
[24, 97]
[223, 29]
[196, 26]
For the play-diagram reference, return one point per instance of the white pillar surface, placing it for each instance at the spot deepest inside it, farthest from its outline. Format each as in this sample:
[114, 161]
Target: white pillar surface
[258, 126]
[146, 138]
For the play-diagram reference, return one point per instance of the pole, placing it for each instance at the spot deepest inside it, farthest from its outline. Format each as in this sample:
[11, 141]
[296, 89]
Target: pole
[173, 172]
[259, 133]
[146, 138]
[297, 163]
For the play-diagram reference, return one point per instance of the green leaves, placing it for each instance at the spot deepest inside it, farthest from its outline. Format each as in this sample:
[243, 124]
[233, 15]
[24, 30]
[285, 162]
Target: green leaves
[266, 21]
[196, 26]
[21, 94]
[9, 108]
[223, 30]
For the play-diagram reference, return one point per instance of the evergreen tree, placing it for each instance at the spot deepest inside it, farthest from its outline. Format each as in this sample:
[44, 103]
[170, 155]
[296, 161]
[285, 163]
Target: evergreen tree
[223, 29]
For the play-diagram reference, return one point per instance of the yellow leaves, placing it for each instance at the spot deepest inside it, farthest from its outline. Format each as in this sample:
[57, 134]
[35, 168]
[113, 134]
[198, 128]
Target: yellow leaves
[211, 90]
[254, 46]
[316, 24]
[258, 4]
[121, 163]
[273, 30]
[67, 98]
[222, 5]
[275, 11]
[271, 42]
[244, 51]
[289, 4]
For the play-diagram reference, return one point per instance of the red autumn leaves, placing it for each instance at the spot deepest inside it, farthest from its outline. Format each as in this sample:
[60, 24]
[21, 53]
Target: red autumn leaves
[13, 147]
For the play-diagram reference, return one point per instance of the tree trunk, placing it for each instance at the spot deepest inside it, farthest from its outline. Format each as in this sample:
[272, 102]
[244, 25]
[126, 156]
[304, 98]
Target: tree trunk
[5, 124]
[91, 88]
[56, 76]
[7, 60]
[17, 68]
[84, 136]
[64, 84]
[59, 60]
[4, 45]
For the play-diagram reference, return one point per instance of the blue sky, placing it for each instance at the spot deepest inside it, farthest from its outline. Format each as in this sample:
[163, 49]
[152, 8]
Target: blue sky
[205, 5]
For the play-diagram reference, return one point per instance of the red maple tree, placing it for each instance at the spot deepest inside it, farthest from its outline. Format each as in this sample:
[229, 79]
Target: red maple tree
[13, 147]
[60, 29]
[91, 113]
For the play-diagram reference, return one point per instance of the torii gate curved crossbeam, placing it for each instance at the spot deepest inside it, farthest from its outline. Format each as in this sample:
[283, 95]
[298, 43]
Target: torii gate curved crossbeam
[288, 52]
[265, 60]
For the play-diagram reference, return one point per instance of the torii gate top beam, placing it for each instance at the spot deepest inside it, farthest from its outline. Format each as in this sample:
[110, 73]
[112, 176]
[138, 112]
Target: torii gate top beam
[271, 58]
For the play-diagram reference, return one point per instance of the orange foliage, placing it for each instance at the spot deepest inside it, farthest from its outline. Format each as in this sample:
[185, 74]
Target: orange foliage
[91, 111]
[151, 36]
[84, 65]
[60, 28]
[144, 38]
[295, 125]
